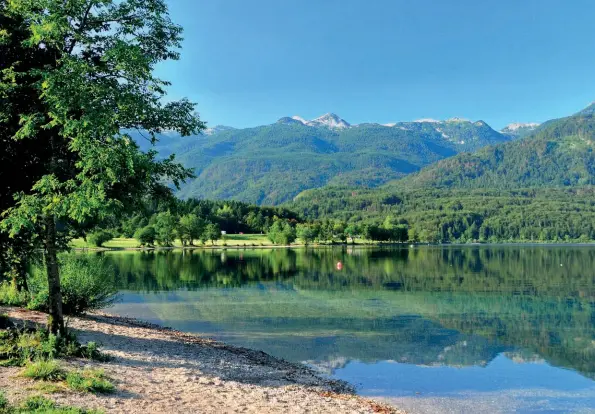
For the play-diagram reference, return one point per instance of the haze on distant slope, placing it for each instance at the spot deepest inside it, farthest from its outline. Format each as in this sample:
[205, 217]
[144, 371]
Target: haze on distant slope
[271, 164]
[558, 153]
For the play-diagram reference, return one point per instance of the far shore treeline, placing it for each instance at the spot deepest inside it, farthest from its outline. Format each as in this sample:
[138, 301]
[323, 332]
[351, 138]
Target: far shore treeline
[339, 215]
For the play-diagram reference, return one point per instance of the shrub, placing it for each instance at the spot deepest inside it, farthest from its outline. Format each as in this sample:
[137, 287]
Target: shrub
[17, 347]
[5, 322]
[91, 351]
[3, 401]
[146, 236]
[97, 238]
[39, 404]
[46, 370]
[89, 380]
[86, 281]
[10, 295]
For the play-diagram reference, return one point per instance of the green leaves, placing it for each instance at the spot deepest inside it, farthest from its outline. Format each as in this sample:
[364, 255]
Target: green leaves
[89, 77]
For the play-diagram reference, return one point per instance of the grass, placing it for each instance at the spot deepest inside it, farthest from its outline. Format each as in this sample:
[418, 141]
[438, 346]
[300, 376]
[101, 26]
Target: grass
[39, 404]
[19, 347]
[245, 240]
[117, 243]
[48, 387]
[89, 380]
[46, 370]
[3, 401]
[9, 295]
[230, 240]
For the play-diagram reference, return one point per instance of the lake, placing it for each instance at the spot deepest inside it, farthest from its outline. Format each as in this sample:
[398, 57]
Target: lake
[504, 328]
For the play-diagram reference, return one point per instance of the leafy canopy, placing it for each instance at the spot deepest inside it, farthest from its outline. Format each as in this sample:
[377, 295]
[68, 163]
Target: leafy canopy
[98, 84]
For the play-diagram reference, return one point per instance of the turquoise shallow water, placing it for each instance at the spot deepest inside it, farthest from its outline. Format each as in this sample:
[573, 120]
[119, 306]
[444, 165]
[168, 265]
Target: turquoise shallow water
[509, 329]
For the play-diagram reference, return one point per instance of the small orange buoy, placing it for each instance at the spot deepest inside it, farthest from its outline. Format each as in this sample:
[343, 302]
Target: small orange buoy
[339, 266]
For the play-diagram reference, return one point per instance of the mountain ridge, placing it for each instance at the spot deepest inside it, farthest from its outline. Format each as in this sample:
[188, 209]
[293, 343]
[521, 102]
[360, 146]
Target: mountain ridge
[560, 152]
[270, 164]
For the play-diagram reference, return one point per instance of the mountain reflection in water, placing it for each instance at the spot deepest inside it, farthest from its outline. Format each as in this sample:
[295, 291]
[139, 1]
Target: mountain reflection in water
[428, 307]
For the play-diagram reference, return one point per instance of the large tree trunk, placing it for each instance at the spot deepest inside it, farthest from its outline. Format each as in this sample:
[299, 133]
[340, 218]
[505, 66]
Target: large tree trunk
[56, 319]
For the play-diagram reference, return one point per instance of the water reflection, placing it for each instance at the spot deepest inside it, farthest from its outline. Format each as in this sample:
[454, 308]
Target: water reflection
[457, 307]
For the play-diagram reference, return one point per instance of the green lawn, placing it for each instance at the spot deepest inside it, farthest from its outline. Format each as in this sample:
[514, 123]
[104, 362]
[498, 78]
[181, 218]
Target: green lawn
[246, 239]
[231, 240]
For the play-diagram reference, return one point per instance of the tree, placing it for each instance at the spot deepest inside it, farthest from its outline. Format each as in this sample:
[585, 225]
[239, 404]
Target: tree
[130, 225]
[351, 231]
[255, 221]
[281, 232]
[211, 232]
[339, 230]
[145, 235]
[16, 155]
[306, 233]
[413, 235]
[190, 227]
[95, 83]
[165, 228]
[98, 237]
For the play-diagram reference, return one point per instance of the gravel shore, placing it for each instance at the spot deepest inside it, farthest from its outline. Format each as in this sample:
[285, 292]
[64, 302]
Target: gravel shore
[158, 370]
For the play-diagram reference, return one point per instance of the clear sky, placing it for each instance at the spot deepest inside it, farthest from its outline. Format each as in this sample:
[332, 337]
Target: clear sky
[250, 62]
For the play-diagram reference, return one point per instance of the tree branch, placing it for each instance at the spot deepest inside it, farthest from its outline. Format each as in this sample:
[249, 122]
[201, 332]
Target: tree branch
[81, 26]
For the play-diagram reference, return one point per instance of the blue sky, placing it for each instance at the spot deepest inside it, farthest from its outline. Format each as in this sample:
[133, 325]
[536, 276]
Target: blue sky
[250, 62]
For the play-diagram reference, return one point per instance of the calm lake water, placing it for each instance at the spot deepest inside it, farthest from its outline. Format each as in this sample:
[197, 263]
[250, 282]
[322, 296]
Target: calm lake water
[507, 329]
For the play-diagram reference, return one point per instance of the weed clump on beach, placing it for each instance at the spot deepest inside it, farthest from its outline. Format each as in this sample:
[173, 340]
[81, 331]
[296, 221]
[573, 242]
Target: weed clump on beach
[3, 402]
[44, 370]
[89, 380]
[19, 346]
[39, 404]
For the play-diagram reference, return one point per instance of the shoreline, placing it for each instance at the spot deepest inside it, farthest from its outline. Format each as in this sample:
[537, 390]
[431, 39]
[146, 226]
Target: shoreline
[159, 369]
[326, 246]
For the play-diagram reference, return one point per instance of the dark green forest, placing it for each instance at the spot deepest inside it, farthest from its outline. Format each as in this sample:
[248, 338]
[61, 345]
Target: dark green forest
[440, 215]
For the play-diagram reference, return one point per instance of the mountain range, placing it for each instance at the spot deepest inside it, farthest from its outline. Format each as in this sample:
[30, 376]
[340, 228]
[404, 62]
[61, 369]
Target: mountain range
[271, 164]
[559, 153]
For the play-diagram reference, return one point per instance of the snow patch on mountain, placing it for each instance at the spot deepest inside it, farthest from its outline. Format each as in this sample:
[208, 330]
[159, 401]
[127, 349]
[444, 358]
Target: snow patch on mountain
[444, 135]
[329, 120]
[519, 125]
[216, 129]
[299, 118]
[428, 120]
[457, 119]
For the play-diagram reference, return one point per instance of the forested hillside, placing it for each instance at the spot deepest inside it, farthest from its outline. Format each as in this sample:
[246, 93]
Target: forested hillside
[273, 163]
[439, 215]
[559, 153]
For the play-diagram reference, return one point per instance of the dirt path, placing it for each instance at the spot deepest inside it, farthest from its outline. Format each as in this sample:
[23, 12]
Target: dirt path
[158, 370]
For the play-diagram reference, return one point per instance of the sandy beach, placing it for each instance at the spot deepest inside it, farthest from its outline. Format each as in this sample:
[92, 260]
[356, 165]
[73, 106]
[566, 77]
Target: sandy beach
[159, 370]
